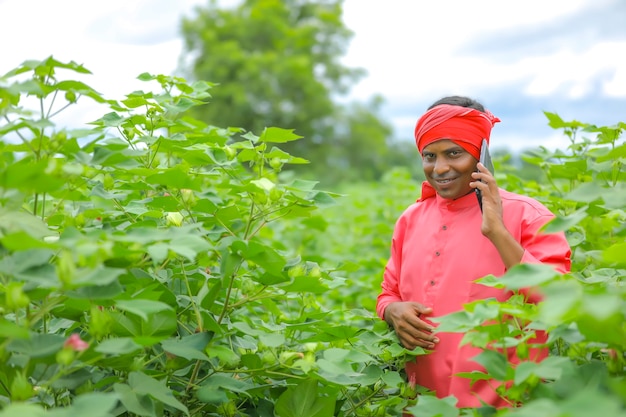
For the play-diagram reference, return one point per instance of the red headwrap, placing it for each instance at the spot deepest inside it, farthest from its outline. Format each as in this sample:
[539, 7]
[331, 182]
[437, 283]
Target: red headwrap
[464, 126]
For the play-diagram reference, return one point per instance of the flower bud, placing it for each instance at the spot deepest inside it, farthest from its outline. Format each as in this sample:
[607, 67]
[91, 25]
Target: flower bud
[74, 342]
[15, 296]
[70, 96]
[174, 218]
[188, 196]
[65, 267]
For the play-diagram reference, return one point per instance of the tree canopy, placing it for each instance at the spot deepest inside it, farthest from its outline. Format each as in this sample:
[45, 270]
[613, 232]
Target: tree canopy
[278, 63]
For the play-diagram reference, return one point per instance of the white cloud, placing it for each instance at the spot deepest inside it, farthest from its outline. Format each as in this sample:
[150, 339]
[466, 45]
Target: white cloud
[414, 51]
[616, 86]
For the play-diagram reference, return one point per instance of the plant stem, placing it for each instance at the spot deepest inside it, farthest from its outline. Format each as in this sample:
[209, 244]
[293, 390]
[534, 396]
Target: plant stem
[194, 375]
[191, 297]
[228, 292]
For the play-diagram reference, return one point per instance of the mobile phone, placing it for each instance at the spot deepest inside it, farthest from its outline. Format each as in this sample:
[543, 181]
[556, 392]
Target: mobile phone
[485, 159]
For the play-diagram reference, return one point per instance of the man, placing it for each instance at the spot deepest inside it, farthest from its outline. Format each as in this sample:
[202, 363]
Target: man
[443, 243]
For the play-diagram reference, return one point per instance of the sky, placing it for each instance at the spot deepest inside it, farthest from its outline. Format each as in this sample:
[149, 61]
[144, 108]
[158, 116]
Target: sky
[519, 58]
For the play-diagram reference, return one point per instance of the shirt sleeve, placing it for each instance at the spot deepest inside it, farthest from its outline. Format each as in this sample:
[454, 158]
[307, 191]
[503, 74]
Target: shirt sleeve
[546, 248]
[390, 285]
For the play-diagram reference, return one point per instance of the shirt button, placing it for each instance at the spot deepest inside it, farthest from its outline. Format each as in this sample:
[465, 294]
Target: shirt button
[437, 253]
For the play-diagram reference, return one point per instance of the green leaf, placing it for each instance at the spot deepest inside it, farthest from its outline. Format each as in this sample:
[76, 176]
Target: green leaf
[603, 305]
[17, 221]
[189, 246]
[23, 410]
[334, 368]
[278, 135]
[229, 263]
[211, 294]
[496, 364]
[562, 223]
[224, 354]
[303, 401]
[263, 184]
[562, 299]
[98, 292]
[212, 395]
[142, 308]
[323, 199]
[189, 347]
[615, 254]
[158, 325]
[285, 157]
[528, 275]
[592, 402]
[146, 76]
[158, 252]
[175, 178]
[24, 260]
[305, 284]
[38, 345]
[245, 328]
[587, 192]
[266, 257]
[135, 402]
[109, 120]
[143, 384]
[100, 276]
[429, 406]
[11, 330]
[92, 404]
[392, 378]
[80, 88]
[23, 241]
[550, 368]
[220, 383]
[343, 355]
[134, 101]
[457, 322]
[118, 346]
[556, 122]
[272, 339]
[182, 105]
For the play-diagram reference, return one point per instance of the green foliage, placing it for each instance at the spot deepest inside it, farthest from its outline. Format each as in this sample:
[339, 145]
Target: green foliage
[142, 269]
[277, 63]
[154, 265]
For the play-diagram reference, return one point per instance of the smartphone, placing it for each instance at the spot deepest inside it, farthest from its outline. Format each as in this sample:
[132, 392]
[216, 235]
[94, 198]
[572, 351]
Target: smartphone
[485, 159]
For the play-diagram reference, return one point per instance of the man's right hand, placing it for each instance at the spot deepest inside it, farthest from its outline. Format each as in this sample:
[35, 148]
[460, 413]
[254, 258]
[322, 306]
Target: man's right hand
[412, 331]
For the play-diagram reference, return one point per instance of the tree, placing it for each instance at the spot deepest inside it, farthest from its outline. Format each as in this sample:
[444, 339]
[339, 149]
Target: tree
[277, 63]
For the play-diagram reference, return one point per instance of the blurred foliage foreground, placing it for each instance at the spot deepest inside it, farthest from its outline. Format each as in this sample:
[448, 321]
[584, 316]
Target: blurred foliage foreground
[151, 265]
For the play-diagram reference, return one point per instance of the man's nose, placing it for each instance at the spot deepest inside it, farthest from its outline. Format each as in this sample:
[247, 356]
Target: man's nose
[441, 166]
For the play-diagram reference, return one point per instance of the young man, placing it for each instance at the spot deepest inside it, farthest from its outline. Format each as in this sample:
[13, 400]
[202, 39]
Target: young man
[444, 242]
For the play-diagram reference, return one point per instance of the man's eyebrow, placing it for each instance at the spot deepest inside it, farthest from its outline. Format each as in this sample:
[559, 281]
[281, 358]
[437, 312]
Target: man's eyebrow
[454, 147]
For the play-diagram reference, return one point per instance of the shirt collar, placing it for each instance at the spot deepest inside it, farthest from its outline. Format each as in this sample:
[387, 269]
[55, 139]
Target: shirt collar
[467, 201]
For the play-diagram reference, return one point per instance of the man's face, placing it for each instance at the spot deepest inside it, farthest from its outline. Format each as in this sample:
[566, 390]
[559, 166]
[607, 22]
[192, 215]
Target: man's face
[448, 168]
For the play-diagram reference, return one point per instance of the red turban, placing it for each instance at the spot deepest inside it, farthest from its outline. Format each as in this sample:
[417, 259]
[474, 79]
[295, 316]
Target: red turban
[463, 125]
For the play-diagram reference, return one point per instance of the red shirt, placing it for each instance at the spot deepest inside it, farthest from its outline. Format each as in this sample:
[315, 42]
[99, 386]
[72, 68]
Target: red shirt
[437, 252]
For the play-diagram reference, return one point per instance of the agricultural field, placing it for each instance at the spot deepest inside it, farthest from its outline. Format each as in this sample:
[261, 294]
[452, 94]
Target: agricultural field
[153, 265]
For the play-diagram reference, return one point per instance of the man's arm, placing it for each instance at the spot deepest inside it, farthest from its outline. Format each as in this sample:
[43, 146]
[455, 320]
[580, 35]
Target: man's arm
[492, 227]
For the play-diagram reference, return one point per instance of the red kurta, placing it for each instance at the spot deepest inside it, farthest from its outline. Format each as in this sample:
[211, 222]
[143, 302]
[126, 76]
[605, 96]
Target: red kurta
[437, 252]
